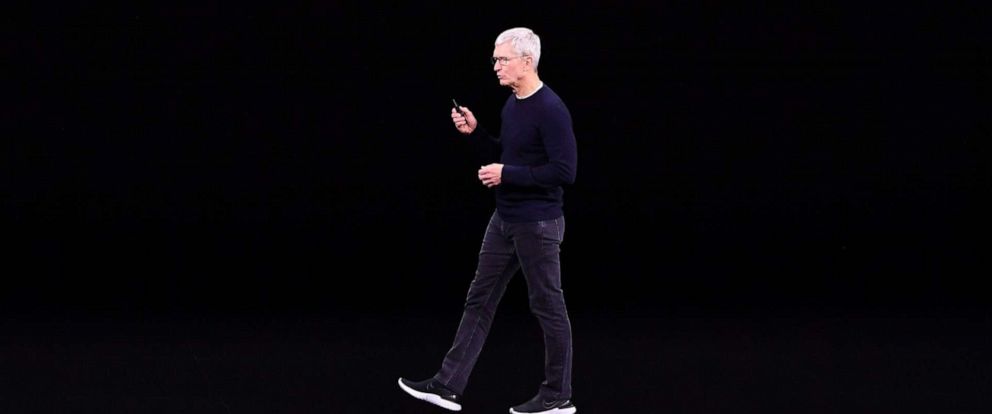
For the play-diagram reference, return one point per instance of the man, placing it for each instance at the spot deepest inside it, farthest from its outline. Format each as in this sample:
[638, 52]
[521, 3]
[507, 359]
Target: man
[524, 233]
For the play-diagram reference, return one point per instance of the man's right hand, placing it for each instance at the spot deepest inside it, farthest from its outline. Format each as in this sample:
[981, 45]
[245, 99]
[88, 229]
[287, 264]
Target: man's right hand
[464, 124]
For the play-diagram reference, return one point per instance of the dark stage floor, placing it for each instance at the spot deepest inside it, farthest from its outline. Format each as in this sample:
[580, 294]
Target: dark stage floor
[679, 361]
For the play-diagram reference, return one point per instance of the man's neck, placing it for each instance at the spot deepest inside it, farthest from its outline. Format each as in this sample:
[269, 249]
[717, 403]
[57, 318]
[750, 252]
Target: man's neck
[527, 86]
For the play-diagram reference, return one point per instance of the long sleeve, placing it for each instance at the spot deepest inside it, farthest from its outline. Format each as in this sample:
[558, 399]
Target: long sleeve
[539, 157]
[558, 139]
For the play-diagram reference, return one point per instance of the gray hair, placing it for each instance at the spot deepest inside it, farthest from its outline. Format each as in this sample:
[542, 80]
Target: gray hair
[524, 42]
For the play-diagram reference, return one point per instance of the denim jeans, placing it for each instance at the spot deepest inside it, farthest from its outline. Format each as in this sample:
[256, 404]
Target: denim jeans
[506, 248]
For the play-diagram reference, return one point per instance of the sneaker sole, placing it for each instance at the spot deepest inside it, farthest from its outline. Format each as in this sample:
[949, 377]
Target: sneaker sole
[431, 398]
[569, 410]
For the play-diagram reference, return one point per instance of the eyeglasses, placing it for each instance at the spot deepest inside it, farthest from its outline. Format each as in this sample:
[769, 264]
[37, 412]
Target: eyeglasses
[503, 60]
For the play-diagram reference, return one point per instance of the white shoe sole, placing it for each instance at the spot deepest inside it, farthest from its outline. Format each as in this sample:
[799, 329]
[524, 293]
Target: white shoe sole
[570, 410]
[431, 398]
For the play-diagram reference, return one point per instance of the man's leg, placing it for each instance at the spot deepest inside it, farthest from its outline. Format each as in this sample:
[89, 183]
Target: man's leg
[497, 265]
[538, 247]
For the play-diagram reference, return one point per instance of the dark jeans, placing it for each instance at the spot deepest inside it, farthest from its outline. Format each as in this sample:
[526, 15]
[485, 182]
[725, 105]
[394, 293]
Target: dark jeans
[506, 248]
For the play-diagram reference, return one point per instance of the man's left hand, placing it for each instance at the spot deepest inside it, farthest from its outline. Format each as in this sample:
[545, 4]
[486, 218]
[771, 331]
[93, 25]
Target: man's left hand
[491, 175]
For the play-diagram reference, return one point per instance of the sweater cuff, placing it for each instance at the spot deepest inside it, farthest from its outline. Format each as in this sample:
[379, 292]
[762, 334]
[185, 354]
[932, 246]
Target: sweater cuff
[516, 175]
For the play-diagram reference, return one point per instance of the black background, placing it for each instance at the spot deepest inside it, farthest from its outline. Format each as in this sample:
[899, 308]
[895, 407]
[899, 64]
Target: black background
[213, 160]
[304, 156]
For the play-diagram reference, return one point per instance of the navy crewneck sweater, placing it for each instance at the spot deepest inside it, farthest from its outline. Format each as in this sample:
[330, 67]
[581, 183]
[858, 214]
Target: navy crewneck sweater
[538, 153]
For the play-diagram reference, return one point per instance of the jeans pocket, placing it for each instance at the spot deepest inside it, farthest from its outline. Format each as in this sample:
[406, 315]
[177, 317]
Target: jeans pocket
[552, 229]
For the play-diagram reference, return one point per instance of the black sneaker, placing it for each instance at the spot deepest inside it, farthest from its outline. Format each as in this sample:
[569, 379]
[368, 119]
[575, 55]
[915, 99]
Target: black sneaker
[538, 405]
[434, 392]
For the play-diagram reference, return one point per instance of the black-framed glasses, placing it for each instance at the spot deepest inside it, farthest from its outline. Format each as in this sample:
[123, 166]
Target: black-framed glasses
[503, 60]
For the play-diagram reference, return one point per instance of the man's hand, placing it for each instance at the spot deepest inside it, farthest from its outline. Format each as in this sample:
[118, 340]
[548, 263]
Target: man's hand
[464, 123]
[491, 175]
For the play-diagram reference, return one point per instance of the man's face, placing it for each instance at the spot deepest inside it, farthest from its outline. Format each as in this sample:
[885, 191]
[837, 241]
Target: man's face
[512, 71]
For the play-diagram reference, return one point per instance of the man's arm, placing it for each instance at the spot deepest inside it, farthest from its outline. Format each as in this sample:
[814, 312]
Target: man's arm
[559, 142]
